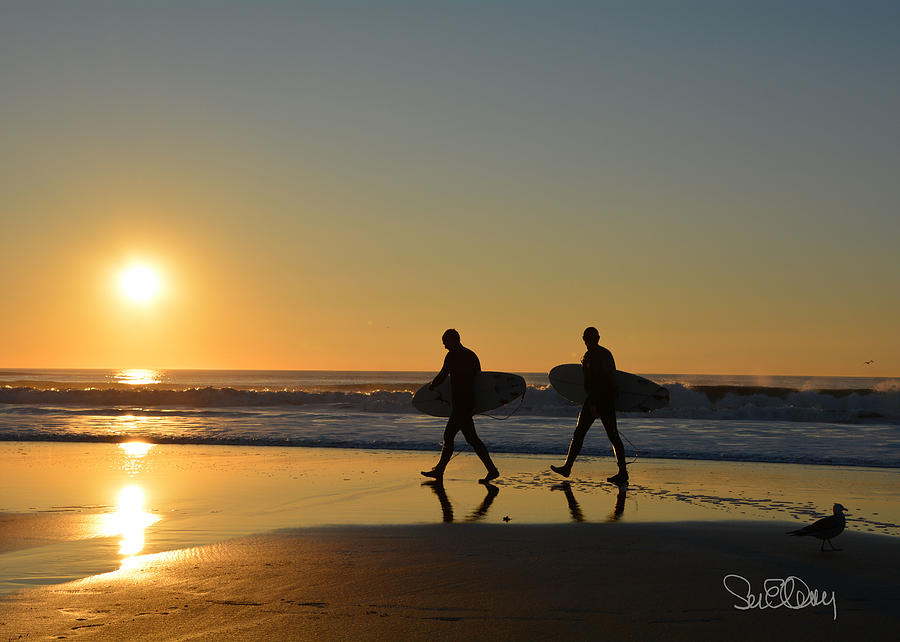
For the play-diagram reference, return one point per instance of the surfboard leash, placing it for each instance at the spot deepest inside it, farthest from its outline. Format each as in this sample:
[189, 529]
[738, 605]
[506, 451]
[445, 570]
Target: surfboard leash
[514, 410]
[636, 453]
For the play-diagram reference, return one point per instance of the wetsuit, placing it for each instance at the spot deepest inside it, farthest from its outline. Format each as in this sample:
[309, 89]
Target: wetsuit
[599, 369]
[462, 366]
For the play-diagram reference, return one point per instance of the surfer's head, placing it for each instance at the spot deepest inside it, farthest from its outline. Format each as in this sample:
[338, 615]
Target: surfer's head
[591, 335]
[450, 338]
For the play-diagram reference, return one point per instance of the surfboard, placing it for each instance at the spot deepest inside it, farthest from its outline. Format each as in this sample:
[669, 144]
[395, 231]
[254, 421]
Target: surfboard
[635, 393]
[492, 390]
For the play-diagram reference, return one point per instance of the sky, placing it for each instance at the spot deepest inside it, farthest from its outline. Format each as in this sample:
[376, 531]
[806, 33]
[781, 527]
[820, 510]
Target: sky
[330, 185]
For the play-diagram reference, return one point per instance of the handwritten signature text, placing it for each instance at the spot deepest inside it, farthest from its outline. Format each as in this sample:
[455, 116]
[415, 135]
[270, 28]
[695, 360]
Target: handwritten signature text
[790, 592]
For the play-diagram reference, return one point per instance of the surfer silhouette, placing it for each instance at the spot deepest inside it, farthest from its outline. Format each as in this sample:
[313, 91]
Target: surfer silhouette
[599, 369]
[461, 365]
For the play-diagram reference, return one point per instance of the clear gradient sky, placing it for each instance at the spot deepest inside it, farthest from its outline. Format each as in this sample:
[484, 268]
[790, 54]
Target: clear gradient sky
[329, 185]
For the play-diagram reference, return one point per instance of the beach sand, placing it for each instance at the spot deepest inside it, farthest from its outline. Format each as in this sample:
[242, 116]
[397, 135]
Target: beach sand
[365, 551]
[619, 581]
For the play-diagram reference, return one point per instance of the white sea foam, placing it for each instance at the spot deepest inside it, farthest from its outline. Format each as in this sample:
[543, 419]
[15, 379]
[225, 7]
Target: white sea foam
[732, 403]
[857, 423]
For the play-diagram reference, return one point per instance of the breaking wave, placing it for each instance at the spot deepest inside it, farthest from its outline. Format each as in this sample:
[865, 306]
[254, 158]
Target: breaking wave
[686, 402]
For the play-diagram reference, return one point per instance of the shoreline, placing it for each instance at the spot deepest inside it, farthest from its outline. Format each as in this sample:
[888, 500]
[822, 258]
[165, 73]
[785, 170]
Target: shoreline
[588, 453]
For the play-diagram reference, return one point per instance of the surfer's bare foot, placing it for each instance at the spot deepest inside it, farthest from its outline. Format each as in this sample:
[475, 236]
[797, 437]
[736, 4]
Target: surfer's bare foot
[492, 474]
[619, 478]
[434, 473]
[561, 470]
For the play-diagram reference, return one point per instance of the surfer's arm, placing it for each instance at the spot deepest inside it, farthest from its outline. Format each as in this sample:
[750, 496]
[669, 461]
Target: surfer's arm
[608, 373]
[586, 373]
[445, 370]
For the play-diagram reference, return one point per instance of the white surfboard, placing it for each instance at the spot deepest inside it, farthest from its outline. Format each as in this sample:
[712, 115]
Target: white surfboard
[492, 390]
[635, 393]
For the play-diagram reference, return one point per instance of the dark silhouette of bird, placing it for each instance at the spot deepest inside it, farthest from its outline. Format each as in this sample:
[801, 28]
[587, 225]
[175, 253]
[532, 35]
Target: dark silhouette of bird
[507, 518]
[869, 362]
[826, 528]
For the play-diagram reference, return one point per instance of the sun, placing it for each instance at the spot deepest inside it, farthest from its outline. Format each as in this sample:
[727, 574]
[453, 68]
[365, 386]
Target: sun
[140, 283]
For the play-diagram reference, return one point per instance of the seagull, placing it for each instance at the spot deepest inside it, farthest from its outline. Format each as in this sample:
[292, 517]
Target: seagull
[826, 528]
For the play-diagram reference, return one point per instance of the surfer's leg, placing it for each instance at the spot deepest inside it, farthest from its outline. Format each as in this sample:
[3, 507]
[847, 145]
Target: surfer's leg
[447, 444]
[585, 420]
[446, 449]
[608, 417]
[467, 425]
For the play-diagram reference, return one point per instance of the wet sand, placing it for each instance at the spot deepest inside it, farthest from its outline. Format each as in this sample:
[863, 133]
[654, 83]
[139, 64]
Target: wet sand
[366, 550]
[620, 581]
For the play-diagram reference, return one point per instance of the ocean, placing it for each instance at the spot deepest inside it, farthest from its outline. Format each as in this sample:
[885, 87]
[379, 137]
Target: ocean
[805, 420]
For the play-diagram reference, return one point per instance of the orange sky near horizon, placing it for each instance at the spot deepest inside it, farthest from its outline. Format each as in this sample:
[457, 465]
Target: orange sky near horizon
[713, 189]
[214, 312]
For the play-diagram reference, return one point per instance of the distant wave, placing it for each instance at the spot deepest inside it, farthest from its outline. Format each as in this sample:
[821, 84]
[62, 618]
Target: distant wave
[210, 397]
[782, 404]
[710, 402]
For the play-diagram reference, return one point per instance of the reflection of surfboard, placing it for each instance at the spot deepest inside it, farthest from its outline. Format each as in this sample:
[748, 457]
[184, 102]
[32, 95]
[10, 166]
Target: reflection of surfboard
[492, 390]
[635, 393]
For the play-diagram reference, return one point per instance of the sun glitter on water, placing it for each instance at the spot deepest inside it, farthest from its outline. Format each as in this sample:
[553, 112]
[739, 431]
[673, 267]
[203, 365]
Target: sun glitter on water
[137, 376]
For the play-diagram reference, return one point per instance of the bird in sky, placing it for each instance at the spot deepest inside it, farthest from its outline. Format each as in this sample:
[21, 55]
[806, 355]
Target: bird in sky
[869, 362]
[826, 528]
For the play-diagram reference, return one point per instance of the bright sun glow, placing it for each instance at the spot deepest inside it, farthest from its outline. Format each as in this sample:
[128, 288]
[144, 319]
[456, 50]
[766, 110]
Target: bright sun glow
[140, 283]
[135, 448]
[129, 521]
[137, 376]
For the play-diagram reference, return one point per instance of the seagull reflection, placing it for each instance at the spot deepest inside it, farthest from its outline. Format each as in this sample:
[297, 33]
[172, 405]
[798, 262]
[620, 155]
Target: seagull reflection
[437, 486]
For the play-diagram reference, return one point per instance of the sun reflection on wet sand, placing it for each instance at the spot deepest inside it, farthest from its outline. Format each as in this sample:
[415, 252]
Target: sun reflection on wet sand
[134, 452]
[135, 448]
[129, 521]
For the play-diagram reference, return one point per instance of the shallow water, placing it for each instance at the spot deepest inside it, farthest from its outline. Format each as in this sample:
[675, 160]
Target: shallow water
[201, 494]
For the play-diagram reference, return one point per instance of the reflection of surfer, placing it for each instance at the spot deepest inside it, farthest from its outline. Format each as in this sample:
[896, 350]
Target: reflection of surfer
[461, 365]
[620, 504]
[437, 485]
[600, 385]
[575, 508]
[482, 509]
